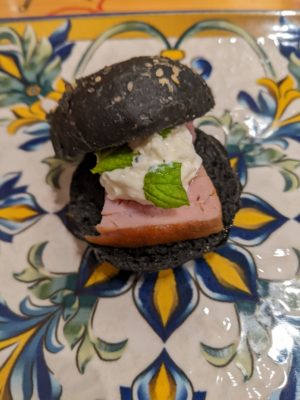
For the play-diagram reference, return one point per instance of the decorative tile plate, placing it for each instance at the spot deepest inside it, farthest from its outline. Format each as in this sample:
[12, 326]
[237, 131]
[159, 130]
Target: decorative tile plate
[224, 326]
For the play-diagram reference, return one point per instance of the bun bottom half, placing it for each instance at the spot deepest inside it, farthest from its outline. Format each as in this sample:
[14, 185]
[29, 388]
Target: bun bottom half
[87, 200]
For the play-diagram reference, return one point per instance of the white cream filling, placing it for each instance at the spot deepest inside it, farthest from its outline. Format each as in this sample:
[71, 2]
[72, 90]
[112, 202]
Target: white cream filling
[127, 183]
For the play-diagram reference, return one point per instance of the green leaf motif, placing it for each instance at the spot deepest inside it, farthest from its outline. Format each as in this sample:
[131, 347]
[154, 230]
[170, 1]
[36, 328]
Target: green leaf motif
[90, 346]
[38, 60]
[52, 285]
[165, 132]
[51, 72]
[56, 167]
[77, 326]
[12, 36]
[71, 307]
[112, 159]
[85, 353]
[77, 309]
[10, 84]
[297, 253]
[244, 359]
[264, 157]
[219, 357]
[34, 272]
[110, 351]
[30, 274]
[78, 330]
[29, 42]
[163, 186]
[45, 284]
[234, 133]
[287, 169]
[291, 180]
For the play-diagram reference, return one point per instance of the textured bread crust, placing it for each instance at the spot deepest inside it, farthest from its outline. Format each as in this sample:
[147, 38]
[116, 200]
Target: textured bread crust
[87, 199]
[125, 101]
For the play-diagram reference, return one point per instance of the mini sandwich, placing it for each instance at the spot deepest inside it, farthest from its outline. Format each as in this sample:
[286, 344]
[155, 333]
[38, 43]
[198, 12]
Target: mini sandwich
[150, 191]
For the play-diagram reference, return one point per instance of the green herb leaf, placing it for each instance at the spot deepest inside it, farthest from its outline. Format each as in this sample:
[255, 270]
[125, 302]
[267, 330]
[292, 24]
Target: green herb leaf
[111, 159]
[163, 186]
[165, 132]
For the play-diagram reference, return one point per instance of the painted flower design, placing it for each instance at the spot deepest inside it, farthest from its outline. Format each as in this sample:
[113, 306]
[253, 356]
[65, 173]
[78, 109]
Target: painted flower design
[36, 112]
[77, 295]
[166, 299]
[33, 119]
[27, 335]
[28, 66]
[163, 379]
[250, 144]
[276, 128]
[272, 103]
[227, 274]
[18, 208]
[255, 221]
[244, 150]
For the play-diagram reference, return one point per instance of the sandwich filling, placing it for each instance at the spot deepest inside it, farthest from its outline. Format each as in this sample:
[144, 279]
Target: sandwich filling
[157, 191]
[160, 169]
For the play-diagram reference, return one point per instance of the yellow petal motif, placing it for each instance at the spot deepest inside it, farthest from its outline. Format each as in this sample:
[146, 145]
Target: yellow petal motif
[233, 162]
[20, 123]
[165, 295]
[17, 213]
[162, 385]
[20, 342]
[291, 120]
[102, 273]
[37, 110]
[9, 65]
[284, 94]
[59, 90]
[271, 85]
[35, 113]
[228, 273]
[56, 96]
[26, 116]
[251, 218]
[23, 112]
[60, 86]
[174, 54]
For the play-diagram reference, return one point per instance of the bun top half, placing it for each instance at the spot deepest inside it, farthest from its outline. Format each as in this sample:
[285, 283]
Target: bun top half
[124, 102]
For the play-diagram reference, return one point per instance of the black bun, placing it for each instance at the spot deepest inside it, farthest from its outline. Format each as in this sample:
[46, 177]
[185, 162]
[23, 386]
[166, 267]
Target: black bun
[87, 198]
[127, 100]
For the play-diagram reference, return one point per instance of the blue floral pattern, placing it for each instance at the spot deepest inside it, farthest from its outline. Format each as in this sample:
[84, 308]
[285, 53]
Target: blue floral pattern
[18, 208]
[255, 221]
[28, 71]
[148, 384]
[150, 294]
[289, 39]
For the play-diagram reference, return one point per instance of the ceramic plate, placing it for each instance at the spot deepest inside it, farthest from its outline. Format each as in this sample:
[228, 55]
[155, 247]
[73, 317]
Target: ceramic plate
[223, 326]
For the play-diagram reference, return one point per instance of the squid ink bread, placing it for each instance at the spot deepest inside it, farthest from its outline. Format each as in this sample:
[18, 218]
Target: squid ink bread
[115, 116]
[125, 101]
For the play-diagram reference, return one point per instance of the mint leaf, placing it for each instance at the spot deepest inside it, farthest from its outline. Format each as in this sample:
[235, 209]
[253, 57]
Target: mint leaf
[163, 186]
[108, 160]
[165, 132]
